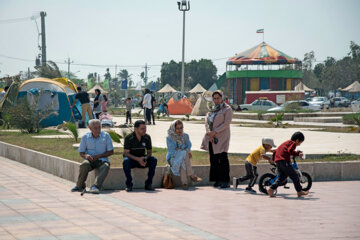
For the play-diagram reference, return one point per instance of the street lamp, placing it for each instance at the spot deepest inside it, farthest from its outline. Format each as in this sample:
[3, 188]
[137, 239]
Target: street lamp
[183, 6]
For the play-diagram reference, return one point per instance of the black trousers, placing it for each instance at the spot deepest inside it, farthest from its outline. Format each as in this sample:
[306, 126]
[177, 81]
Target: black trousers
[286, 170]
[128, 164]
[251, 173]
[147, 115]
[152, 115]
[219, 166]
[128, 117]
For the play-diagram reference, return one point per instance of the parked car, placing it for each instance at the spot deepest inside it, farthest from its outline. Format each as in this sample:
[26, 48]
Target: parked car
[355, 105]
[322, 101]
[341, 102]
[300, 103]
[258, 105]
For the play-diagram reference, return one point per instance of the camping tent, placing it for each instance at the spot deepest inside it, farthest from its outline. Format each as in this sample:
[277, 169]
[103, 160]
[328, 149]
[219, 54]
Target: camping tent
[352, 91]
[201, 105]
[167, 89]
[302, 87]
[97, 86]
[197, 89]
[50, 95]
[182, 106]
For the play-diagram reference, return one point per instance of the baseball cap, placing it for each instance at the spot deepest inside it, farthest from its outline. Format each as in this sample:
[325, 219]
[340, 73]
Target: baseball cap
[269, 141]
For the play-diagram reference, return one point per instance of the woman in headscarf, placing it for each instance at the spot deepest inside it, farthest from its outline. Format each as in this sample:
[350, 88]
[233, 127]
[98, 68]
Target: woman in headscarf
[178, 156]
[98, 103]
[216, 140]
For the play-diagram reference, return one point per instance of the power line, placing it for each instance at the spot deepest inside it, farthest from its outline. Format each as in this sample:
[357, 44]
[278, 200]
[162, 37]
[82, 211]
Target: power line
[16, 20]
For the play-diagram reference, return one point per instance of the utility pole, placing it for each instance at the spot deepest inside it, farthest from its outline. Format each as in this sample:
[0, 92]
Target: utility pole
[43, 39]
[68, 63]
[146, 74]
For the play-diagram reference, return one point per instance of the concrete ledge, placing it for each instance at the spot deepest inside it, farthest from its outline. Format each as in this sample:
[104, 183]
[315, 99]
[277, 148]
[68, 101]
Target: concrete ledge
[320, 171]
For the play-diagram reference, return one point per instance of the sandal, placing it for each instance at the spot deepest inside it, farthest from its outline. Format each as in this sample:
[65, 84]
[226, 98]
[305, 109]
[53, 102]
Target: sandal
[195, 179]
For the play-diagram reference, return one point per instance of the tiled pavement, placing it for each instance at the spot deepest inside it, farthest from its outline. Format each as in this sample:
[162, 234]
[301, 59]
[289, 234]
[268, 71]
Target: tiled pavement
[36, 205]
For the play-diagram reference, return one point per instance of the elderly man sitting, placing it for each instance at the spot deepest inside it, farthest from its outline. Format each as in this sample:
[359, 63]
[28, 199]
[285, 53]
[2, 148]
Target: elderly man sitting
[95, 148]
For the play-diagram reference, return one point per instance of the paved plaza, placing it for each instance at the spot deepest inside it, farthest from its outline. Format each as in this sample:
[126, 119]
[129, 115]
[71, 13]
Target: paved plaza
[37, 205]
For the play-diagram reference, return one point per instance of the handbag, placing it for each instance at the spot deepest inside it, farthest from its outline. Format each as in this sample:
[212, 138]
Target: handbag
[167, 181]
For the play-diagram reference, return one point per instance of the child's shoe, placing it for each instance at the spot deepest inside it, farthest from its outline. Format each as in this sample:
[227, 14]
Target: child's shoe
[302, 193]
[250, 190]
[235, 183]
[270, 192]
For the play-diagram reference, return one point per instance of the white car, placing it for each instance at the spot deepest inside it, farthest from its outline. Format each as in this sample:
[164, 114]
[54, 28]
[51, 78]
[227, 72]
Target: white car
[302, 103]
[322, 101]
[355, 105]
[258, 105]
[341, 102]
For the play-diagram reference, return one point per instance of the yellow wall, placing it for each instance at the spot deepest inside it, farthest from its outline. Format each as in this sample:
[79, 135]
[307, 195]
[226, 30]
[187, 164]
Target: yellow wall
[288, 84]
[254, 84]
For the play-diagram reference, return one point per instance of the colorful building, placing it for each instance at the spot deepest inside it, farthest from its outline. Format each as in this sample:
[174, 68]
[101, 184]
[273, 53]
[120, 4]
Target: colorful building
[260, 68]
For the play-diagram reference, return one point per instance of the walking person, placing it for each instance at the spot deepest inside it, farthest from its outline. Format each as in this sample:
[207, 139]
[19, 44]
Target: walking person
[84, 99]
[153, 103]
[128, 110]
[216, 140]
[98, 103]
[147, 106]
[104, 104]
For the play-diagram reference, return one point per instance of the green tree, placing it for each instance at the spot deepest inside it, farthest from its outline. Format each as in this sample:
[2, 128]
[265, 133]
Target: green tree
[49, 70]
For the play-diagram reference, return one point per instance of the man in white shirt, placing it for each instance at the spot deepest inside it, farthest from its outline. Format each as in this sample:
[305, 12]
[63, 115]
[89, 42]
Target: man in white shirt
[147, 106]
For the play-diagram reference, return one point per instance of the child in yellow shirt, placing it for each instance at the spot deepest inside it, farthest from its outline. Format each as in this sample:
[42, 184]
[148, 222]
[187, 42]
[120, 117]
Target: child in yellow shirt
[251, 162]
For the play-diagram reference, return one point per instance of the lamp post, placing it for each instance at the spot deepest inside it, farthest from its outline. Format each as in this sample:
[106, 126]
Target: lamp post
[183, 6]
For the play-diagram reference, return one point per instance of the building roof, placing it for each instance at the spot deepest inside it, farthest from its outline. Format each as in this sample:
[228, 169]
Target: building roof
[261, 54]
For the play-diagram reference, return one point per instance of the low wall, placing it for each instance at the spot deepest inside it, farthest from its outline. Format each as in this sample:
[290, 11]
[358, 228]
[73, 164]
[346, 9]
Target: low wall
[287, 116]
[319, 171]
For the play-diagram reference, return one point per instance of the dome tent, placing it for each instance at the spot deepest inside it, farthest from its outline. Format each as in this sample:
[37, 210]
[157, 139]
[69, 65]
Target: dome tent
[54, 95]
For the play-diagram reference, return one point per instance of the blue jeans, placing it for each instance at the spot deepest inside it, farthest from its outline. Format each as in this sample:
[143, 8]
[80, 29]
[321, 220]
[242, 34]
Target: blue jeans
[128, 164]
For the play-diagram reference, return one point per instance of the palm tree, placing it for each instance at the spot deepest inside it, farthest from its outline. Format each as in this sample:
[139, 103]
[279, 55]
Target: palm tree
[50, 70]
[124, 75]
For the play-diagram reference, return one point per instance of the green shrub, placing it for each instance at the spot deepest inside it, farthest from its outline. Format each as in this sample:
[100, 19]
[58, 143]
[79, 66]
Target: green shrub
[74, 131]
[277, 119]
[27, 117]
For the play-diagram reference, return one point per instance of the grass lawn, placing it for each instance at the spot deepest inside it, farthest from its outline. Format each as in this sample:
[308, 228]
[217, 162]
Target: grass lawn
[62, 147]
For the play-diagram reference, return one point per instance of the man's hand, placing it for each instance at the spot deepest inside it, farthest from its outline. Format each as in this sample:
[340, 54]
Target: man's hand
[190, 155]
[142, 161]
[211, 134]
[88, 157]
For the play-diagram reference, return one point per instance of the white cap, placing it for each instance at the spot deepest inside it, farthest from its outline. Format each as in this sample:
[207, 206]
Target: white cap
[268, 141]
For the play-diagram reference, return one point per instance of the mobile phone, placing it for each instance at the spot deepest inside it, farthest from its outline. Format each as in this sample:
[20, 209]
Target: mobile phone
[216, 140]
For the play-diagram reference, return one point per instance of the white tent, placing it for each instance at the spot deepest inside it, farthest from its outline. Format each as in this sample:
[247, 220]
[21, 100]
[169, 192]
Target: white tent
[97, 86]
[354, 87]
[302, 87]
[197, 89]
[213, 88]
[167, 89]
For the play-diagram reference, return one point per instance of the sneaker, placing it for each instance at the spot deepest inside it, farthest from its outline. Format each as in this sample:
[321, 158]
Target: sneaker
[270, 192]
[148, 187]
[94, 190]
[250, 190]
[302, 193]
[129, 188]
[235, 183]
[76, 189]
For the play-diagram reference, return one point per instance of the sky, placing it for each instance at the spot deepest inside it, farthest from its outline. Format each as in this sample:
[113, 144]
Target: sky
[131, 33]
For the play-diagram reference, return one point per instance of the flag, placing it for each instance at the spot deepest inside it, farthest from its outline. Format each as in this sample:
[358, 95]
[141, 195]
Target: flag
[153, 86]
[138, 86]
[124, 84]
[260, 31]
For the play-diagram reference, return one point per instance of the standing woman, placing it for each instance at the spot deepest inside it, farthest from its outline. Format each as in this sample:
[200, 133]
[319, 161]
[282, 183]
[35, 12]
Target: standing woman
[98, 103]
[216, 140]
[104, 104]
[179, 155]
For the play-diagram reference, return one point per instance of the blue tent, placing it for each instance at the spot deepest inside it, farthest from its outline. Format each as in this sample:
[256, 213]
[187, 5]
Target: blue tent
[54, 96]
